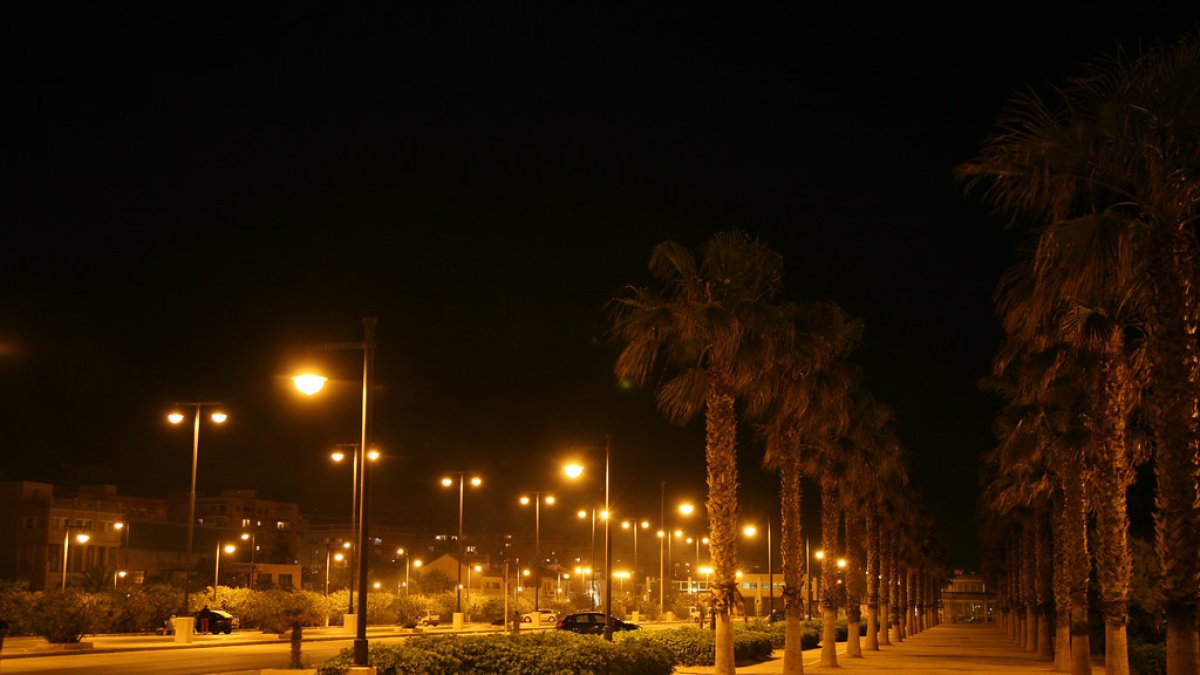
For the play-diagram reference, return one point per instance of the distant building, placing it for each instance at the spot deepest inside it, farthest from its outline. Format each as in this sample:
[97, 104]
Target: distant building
[144, 537]
[966, 597]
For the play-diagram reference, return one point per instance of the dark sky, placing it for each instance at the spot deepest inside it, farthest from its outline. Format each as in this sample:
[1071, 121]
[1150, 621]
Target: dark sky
[196, 191]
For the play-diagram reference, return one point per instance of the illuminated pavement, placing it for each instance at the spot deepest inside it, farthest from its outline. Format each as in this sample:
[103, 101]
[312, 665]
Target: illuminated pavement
[948, 648]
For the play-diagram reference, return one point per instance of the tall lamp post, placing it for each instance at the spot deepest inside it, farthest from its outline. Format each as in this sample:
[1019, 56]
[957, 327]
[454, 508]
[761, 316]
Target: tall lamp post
[575, 471]
[592, 560]
[476, 481]
[81, 538]
[228, 548]
[310, 384]
[751, 531]
[635, 525]
[356, 469]
[176, 417]
[537, 542]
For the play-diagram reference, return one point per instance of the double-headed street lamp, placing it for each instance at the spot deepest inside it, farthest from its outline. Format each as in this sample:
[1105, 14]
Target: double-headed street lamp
[536, 500]
[176, 417]
[310, 384]
[635, 525]
[476, 481]
[356, 470]
[751, 531]
[574, 471]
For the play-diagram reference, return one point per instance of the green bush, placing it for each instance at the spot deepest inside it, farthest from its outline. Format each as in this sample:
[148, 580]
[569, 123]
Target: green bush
[62, 616]
[689, 646]
[1148, 659]
[547, 653]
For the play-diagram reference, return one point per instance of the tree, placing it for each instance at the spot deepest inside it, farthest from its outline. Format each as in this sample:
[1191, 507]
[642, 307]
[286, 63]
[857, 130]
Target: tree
[712, 323]
[280, 611]
[1116, 151]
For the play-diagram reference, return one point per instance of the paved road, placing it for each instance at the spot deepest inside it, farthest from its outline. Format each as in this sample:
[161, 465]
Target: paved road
[242, 653]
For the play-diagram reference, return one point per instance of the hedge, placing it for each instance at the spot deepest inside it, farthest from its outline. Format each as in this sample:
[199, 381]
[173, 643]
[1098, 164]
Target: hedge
[546, 653]
[690, 646]
[1148, 659]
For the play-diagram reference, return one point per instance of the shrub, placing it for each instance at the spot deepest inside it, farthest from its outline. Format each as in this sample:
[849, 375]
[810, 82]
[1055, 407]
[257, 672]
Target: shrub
[16, 606]
[531, 654]
[690, 646]
[62, 616]
[1148, 659]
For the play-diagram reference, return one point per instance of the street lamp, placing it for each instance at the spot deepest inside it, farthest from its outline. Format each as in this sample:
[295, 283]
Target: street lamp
[229, 548]
[635, 525]
[338, 557]
[81, 538]
[176, 417]
[574, 471]
[407, 562]
[537, 542]
[476, 481]
[123, 540]
[356, 478]
[751, 531]
[310, 384]
[252, 537]
[477, 568]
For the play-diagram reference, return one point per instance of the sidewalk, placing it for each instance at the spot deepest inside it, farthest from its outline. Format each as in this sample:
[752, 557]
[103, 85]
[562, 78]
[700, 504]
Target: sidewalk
[955, 648]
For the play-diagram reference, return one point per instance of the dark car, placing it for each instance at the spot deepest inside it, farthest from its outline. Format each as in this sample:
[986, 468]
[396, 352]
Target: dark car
[592, 623]
[215, 621]
[777, 616]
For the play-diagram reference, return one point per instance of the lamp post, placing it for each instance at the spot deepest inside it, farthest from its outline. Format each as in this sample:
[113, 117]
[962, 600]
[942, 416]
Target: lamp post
[537, 542]
[310, 384]
[123, 540]
[338, 557]
[356, 470]
[477, 568]
[634, 525]
[751, 531]
[176, 417]
[81, 538]
[229, 548]
[592, 560]
[819, 555]
[476, 481]
[574, 471]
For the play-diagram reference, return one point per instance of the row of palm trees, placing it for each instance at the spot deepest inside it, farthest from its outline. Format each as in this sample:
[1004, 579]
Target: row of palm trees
[1100, 363]
[714, 335]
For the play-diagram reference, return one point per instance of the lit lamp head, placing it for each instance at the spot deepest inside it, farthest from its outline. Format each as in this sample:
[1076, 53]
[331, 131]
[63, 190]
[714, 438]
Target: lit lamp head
[82, 537]
[582, 513]
[479, 568]
[399, 551]
[573, 471]
[245, 536]
[337, 455]
[339, 557]
[230, 548]
[175, 417]
[549, 499]
[447, 482]
[687, 509]
[524, 501]
[417, 563]
[118, 525]
[373, 454]
[750, 531]
[476, 481]
[645, 524]
[218, 417]
[820, 555]
[841, 563]
[376, 585]
[309, 383]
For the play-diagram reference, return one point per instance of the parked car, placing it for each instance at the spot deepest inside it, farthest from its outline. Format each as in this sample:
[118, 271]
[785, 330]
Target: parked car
[592, 623]
[215, 621]
[425, 620]
[549, 616]
[777, 616]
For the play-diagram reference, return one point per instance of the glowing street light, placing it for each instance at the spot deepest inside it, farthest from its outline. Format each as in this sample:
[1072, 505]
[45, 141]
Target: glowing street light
[357, 478]
[537, 500]
[228, 548]
[177, 417]
[574, 471]
[309, 384]
[81, 538]
[476, 481]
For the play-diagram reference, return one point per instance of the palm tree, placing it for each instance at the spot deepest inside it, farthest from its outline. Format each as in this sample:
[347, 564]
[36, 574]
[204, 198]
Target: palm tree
[1117, 150]
[712, 322]
[824, 335]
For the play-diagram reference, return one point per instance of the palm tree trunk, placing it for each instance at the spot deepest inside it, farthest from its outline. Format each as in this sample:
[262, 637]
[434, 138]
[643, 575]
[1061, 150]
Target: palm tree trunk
[1078, 564]
[721, 455]
[1042, 582]
[854, 582]
[1029, 585]
[1177, 520]
[872, 525]
[791, 548]
[297, 630]
[1062, 590]
[886, 586]
[829, 539]
[898, 601]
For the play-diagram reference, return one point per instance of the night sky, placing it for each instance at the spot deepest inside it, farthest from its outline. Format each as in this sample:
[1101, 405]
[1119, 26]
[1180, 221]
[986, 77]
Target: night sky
[195, 192]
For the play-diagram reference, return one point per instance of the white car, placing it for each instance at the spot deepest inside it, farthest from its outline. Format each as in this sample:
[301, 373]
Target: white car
[548, 616]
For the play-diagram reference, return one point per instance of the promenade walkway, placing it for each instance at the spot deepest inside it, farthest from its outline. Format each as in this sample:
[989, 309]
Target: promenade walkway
[945, 649]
